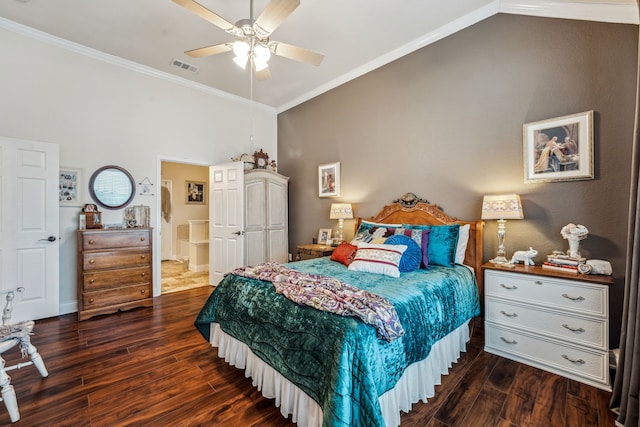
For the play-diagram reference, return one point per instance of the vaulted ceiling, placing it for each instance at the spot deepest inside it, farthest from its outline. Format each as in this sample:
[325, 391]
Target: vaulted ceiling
[356, 36]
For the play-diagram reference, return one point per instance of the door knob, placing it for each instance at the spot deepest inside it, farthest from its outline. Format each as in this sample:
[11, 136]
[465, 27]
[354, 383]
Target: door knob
[238, 233]
[48, 239]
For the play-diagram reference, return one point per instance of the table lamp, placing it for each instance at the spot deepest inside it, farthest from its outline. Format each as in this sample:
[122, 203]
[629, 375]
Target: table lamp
[501, 207]
[341, 211]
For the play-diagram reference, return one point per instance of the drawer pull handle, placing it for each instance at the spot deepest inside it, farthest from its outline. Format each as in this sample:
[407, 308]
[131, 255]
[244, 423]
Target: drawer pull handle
[509, 314]
[508, 287]
[142, 291]
[572, 329]
[508, 341]
[91, 242]
[141, 256]
[573, 298]
[92, 261]
[142, 239]
[143, 274]
[538, 282]
[577, 362]
[91, 281]
[91, 300]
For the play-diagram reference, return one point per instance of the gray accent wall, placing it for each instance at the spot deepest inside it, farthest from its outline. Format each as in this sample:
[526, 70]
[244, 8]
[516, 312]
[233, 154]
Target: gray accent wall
[445, 123]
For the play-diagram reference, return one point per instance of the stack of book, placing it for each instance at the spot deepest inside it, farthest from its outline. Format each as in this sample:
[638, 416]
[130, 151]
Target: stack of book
[563, 262]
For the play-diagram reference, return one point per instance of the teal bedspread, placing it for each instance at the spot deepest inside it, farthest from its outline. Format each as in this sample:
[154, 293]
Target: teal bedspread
[340, 362]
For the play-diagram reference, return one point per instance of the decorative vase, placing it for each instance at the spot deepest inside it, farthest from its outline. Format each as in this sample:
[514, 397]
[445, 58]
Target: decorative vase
[574, 243]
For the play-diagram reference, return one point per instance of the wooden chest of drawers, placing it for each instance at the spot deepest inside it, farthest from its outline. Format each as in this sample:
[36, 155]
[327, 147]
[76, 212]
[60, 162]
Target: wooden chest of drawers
[553, 321]
[114, 270]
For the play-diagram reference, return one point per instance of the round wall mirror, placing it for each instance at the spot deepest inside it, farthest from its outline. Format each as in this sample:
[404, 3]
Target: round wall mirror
[112, 187]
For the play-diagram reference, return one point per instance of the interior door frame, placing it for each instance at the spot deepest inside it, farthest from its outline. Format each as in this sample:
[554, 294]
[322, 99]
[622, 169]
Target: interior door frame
[157, 262]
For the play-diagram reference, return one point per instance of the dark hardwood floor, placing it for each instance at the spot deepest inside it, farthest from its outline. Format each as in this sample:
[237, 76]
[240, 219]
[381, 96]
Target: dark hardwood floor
[151, 367]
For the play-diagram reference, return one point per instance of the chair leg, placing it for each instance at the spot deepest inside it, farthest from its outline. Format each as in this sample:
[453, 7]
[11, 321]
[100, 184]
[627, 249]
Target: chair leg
[8, 393]
[37, 360]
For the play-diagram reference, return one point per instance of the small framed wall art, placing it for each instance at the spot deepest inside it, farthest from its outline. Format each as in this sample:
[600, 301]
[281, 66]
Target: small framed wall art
[196, 193]
[70, 186]
[329, 180]
[559, 149]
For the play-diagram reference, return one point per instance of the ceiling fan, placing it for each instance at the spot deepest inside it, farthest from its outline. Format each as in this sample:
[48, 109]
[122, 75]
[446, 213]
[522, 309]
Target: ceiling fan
[252, 42]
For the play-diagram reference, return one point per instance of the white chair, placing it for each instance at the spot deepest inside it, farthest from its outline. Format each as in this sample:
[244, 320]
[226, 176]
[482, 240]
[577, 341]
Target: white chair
[12, 335]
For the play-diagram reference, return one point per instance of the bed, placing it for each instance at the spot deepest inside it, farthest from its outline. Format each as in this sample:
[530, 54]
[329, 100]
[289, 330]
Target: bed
[324, 369]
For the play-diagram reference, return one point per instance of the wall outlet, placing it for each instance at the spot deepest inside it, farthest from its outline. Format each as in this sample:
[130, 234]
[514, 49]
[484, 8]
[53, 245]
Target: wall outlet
[290, 258]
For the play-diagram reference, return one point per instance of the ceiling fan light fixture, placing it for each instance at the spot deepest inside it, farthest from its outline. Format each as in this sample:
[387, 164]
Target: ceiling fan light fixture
[260, 65]
[241, 48]
[241, 61]
[261, 53]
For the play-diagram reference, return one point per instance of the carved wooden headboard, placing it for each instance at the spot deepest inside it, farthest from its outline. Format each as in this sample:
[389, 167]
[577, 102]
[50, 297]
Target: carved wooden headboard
[410, 209]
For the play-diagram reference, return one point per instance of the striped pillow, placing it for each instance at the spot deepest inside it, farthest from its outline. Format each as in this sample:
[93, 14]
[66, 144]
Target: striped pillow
[378, 259]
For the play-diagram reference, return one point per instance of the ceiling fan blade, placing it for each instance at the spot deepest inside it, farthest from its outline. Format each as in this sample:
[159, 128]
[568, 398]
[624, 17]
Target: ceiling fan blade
[273, 15]
[262, 75]
[296, 53]
[209, 50]
[210, 16]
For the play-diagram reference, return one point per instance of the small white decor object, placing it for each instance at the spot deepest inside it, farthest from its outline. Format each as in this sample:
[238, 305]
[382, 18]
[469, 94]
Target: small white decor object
[600, 266]
[574, 233]
[525, 256]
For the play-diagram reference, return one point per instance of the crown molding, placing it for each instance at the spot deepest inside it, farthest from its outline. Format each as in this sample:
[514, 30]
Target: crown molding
[124, 63]
[599, 11]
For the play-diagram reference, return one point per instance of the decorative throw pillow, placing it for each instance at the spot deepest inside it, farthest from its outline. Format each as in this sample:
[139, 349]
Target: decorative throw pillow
[379, 259]
[368, 230]
[344, 253]
[463, 239]
[412, 257]
[421, 237]
[443, 243]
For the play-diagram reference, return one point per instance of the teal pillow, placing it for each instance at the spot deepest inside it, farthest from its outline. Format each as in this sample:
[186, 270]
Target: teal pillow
[412, 257]
[443, 242]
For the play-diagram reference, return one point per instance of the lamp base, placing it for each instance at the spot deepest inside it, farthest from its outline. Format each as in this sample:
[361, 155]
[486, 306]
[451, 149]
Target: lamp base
[500, 260]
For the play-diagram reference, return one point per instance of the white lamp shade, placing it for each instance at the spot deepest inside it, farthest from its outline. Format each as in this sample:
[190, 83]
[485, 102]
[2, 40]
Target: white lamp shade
[341, 211]
[505, 206]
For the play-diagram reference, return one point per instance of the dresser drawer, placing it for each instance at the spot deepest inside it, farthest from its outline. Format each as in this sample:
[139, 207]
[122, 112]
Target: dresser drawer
[115, 259]
[573, 295]
[115, 239]
[562, 358]
[575, 329]
[116, 278]
[98, 299]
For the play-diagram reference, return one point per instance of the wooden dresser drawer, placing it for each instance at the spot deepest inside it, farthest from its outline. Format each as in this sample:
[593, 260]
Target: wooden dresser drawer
[573, 328]
[115, 259]
[116, 278]
[576, 362]
[98, 299]
[575, 296]
[106, 239]
[115, 270]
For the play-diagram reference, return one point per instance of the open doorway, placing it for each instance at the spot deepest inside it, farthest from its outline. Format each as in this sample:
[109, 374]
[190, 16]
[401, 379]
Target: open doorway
[184, 229]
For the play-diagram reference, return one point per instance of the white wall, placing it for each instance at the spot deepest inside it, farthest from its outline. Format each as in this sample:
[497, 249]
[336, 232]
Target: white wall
[101, 113]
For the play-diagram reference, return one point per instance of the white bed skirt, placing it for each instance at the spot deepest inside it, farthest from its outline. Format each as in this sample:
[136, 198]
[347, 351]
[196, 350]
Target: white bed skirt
[417, 383]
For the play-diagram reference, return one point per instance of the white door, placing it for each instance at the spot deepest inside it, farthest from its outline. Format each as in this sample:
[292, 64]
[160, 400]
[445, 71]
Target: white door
[29, 226]
[226, 219]
[166, 229]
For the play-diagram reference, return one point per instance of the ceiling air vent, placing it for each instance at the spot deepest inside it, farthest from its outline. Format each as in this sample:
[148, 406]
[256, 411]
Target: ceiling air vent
[184, 65]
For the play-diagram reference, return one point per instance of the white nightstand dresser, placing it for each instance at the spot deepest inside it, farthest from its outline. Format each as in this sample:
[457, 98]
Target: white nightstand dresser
[552, 320]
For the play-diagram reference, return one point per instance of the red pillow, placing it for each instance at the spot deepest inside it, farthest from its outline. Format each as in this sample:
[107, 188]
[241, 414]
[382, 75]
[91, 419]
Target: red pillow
[344, 253]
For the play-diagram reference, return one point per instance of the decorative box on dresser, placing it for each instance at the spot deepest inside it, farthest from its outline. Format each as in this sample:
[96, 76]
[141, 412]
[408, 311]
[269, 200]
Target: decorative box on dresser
[114, 270]
[552, 320]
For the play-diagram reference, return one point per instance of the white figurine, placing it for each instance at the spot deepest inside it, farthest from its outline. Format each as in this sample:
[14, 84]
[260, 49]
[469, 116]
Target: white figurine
[574, 233]
[525, 256]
